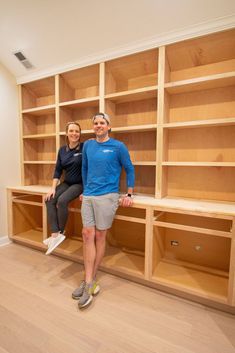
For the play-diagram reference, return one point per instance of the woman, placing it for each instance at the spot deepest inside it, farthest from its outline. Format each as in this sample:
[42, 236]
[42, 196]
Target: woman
[69, 161]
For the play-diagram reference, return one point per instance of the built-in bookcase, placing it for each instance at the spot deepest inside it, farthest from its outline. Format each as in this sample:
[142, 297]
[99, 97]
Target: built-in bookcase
[174, 108]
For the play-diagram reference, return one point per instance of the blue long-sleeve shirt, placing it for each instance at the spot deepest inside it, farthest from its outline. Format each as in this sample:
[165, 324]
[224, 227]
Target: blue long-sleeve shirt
[69, 160]
[102, 164]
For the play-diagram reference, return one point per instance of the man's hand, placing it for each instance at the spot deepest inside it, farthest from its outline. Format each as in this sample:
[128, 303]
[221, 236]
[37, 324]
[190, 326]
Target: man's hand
[126, 201]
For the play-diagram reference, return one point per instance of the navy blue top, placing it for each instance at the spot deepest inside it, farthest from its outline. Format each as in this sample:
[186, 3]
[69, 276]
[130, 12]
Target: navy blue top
[102, 164]
[69, 160]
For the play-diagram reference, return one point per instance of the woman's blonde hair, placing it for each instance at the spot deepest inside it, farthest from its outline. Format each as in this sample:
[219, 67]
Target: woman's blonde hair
[67, 129]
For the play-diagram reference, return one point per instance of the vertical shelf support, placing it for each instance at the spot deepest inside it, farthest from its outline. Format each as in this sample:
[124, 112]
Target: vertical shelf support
[57, 112]
[148, 242]
[44, 218]
[102, 87]
[231, 286]
[21, 135]
[160, 109]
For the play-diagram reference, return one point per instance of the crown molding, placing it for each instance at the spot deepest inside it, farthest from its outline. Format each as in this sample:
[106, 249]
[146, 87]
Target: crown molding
[204, 28]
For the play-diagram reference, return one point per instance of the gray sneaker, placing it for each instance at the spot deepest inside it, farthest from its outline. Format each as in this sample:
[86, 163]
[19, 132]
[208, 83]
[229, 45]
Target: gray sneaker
[78, 292]
[95, 287]
[86, 297]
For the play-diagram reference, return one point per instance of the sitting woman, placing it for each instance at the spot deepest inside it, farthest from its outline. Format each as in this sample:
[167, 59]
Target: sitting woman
[69, 161]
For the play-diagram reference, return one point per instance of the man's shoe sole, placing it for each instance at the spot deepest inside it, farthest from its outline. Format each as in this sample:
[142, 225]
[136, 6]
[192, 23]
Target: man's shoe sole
[96, 292]
[75, 297]
[86, 304]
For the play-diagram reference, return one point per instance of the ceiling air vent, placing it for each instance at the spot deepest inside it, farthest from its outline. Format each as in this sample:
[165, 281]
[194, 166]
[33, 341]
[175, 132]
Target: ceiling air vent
[24, 61]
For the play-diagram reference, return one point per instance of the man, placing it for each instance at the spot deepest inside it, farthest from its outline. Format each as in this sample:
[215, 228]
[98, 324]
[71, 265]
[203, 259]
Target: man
[102, 163]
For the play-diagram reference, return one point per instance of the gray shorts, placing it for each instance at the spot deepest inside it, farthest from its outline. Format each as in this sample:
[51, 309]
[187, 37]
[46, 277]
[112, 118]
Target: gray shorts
[99, 211]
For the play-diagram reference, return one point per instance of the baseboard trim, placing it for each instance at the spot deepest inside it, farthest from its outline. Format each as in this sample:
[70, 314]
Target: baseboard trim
[4, 241]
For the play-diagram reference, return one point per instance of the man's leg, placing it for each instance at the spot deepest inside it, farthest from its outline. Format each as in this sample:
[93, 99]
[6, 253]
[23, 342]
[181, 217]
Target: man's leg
[100, 241]
[86, 290]
[89, 252]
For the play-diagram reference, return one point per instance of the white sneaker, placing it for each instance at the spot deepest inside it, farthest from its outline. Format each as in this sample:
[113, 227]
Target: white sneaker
[55, 241]
[47, 241]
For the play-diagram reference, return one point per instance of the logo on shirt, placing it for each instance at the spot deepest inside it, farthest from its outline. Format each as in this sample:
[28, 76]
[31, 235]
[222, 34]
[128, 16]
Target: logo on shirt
[107, 151]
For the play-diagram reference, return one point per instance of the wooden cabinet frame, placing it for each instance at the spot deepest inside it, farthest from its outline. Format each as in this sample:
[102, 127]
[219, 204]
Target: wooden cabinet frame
[174, 107]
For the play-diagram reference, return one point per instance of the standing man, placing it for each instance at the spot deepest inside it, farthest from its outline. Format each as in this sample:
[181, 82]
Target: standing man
[103, 159]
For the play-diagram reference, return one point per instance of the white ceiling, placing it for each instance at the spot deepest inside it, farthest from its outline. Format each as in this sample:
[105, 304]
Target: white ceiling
[57, 35]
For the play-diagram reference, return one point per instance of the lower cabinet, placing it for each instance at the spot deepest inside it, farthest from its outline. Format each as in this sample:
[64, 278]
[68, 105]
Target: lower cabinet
[125, 250]
[188, 252]
[26, 221]
[192, 253]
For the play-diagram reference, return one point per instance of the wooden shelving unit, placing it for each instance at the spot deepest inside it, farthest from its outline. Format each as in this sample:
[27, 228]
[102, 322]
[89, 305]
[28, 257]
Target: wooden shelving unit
[174, 108]
[185, 253]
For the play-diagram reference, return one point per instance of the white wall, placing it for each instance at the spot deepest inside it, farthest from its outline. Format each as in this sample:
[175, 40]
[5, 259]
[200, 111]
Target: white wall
[9, 141]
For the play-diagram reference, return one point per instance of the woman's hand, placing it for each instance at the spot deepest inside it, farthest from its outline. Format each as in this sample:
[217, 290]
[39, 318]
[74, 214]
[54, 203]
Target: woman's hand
[49, 195]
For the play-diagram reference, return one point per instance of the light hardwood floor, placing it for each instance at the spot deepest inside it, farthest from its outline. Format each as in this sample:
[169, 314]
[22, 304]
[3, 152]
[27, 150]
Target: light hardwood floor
[38, 315]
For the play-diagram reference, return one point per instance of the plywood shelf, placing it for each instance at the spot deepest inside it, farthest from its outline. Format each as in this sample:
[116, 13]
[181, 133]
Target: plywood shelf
[200, 123]
[214, 105]
[188, 256]
[213, 54]
[18, 196]
[71, 247]
[192, 281]
[202, 83]
[119, 260]
[38, 94]
[141, 144]
[40, 122]
[81, 103]
[207, 183]
[80, 83]
[26, 202]
[133, 95]
[42, 110]
[39, 136]
[135, 128]
[123, 129]
[192, 229]
[38, 172]
[81, 113]
[132, 72]
[40, 162]
[194, 223]
[194, 206]
[150, 163]
[199, 164]
[32, 237]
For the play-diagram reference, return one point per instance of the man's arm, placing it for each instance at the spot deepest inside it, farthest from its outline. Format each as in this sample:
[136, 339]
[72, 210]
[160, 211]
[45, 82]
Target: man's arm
[84, 165]
[127, 200]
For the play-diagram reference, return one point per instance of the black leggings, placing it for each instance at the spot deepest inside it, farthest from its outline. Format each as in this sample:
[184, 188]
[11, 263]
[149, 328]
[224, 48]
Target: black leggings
[57, 207]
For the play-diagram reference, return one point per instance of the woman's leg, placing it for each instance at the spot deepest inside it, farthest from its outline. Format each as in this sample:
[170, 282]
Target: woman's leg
[70, 194]
[52, 208]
